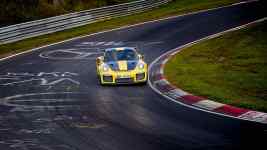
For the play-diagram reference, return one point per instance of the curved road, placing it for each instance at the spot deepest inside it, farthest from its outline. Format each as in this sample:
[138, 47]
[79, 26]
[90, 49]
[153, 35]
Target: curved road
[51, 99]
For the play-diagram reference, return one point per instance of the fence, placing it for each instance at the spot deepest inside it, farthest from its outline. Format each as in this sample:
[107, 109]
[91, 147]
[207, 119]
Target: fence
[26, 30]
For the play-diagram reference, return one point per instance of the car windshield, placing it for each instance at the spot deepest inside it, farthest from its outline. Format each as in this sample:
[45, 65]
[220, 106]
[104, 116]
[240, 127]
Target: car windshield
[121, 55]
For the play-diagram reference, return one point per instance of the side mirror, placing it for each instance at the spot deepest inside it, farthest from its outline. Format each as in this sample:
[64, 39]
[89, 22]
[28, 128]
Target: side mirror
[99, 60]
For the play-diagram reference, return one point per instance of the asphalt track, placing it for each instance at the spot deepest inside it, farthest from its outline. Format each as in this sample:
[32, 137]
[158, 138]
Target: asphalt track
[51, 99]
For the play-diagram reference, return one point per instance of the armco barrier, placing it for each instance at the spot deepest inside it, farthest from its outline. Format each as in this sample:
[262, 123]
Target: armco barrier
[58, 23]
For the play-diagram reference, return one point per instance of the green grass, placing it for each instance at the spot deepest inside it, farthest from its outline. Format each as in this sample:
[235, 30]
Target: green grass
[174, 8]
[18, 11]
[231, 69]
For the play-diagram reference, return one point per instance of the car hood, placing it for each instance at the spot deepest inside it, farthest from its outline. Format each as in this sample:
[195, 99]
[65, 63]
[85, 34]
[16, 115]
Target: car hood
[122, 65]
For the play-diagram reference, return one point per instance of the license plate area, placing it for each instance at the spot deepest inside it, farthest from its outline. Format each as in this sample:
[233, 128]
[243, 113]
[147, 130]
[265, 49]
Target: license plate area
[123, 76]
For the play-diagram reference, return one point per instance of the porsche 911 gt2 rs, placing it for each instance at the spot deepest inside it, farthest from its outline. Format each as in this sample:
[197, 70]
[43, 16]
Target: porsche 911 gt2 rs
[122, 65]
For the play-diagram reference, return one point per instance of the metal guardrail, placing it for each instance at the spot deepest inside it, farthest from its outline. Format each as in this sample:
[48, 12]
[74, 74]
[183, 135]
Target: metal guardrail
[26, 30]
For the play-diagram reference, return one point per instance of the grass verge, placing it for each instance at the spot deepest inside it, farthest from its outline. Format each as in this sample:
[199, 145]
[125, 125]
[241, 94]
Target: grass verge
[231, 69]
[175, 7]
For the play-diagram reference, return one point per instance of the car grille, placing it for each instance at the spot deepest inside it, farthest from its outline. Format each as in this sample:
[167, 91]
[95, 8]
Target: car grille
[140, 76]
[124, 80]
[107, 79]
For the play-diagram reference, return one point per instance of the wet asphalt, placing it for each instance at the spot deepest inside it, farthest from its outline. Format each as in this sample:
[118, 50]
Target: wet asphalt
[51, 98]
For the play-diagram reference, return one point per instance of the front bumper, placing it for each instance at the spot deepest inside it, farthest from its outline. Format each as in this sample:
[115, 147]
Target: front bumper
[124, 77]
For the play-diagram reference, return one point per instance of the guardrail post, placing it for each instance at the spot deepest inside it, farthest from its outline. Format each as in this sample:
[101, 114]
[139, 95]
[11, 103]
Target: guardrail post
[26, 30]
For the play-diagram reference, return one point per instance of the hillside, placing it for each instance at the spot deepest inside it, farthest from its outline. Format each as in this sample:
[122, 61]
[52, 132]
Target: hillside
[17, 11]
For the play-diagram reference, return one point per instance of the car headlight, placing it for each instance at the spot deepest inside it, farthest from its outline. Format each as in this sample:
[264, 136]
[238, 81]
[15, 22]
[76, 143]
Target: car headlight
[141, 65]
[105, 68]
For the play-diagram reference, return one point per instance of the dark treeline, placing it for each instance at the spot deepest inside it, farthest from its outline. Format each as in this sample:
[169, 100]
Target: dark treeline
[17, 11]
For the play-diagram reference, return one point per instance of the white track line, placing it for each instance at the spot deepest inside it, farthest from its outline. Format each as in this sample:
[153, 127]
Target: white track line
[124, 27]
[190, 44]
[138, 24]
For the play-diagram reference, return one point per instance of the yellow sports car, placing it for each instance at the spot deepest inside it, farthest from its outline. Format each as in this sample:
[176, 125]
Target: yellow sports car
[121, 66]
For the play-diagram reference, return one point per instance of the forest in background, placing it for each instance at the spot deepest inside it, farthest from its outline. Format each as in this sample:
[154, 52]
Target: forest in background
[18, 11]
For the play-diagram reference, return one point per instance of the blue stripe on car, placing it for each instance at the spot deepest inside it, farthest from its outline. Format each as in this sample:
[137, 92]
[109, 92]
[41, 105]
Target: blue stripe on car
[113, 65]
[131, 64]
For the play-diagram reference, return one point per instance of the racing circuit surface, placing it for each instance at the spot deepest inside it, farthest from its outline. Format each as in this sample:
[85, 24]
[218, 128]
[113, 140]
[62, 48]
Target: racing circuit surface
[51, 98]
